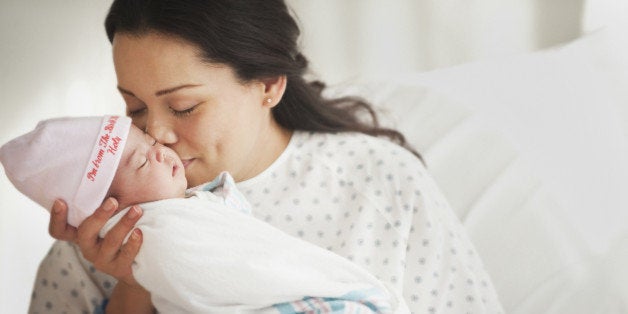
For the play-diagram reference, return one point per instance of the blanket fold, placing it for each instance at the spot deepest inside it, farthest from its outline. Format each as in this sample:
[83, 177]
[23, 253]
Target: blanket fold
[204, 257]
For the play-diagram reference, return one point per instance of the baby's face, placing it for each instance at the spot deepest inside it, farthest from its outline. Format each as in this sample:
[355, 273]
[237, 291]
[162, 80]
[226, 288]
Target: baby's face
[148, 171]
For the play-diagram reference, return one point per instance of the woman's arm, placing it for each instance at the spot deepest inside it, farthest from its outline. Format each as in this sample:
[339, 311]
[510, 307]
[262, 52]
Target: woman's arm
[129, 299]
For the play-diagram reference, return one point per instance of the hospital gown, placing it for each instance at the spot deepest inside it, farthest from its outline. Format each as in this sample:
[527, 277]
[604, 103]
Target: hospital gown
[361, 197]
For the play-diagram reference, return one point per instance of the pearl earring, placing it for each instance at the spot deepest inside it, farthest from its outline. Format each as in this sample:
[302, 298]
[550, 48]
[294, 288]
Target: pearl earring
[269, 100]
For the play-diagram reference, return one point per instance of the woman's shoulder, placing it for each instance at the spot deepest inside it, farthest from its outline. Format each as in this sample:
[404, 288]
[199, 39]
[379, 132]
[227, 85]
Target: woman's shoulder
[355, 148]
[350, 157]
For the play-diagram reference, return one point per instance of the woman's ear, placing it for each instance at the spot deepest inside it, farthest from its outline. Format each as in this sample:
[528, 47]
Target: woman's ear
[274, 87]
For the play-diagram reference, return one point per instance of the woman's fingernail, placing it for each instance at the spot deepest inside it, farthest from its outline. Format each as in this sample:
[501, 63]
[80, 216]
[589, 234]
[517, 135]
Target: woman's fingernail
[135, 235]
[134, 212]
[109, 206]
[57, 207]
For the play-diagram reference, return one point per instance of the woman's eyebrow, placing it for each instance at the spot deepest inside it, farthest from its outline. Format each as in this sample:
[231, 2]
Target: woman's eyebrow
[163, 91]
[174, 89]
[124, 91]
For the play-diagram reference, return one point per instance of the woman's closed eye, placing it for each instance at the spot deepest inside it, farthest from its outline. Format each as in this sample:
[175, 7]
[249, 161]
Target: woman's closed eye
[135, 112]
[183, 113]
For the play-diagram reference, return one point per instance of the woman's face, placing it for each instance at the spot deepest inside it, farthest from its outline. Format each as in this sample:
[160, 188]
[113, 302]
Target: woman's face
[214, 122]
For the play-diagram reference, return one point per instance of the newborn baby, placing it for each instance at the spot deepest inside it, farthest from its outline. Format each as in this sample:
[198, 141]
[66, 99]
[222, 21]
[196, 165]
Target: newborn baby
[202, 251]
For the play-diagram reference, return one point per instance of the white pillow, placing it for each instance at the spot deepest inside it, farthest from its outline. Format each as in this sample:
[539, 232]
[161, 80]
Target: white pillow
[508, 216]
[530, 151]
[567, 110]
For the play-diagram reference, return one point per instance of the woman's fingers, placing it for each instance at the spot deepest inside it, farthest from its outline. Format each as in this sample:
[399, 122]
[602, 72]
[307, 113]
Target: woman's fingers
[131, 248]
[114, 258]
[120, 265]
[127, 255]
[58, 226]
[87, 233]
[109, 254]
[112, 242]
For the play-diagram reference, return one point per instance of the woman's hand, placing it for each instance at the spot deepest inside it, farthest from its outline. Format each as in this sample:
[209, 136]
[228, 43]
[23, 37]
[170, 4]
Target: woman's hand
[108, 255]
[58, 226]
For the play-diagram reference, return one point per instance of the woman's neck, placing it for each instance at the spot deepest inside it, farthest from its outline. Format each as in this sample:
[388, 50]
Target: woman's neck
[269, 148]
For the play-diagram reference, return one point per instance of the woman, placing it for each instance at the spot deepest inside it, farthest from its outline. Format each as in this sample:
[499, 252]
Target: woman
[221, 83]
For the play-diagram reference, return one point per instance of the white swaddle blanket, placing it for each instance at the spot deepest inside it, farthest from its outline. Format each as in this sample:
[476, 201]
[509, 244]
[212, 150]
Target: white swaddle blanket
[201, 256]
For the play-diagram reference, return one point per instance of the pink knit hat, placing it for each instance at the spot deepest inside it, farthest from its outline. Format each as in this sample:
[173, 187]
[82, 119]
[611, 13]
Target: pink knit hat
[73, 159]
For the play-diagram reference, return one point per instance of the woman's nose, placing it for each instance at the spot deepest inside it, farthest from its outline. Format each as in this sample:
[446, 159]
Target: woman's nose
[160, 131]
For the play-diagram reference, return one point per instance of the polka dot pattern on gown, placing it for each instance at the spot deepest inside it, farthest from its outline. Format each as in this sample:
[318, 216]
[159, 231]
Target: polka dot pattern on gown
[67, 283]
[363, 198]
[374, 203]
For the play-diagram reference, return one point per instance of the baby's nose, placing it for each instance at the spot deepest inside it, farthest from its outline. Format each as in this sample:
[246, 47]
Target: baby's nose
[162, 156]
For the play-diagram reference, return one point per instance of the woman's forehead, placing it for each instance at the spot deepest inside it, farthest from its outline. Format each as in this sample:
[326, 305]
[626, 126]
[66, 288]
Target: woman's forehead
[145, 65]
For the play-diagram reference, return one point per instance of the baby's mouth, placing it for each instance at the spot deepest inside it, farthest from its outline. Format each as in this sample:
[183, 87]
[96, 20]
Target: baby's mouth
[176, 167]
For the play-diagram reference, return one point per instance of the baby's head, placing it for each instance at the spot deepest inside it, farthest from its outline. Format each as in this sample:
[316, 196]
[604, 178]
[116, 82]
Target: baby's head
[148, 171]
[84, 159]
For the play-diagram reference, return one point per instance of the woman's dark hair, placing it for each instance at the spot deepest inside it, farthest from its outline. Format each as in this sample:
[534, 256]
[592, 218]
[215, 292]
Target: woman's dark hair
[258, 39]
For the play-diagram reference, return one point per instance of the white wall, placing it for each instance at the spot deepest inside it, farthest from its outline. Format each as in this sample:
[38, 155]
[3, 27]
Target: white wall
[373, 38]
[602, 13]
[55, 61]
